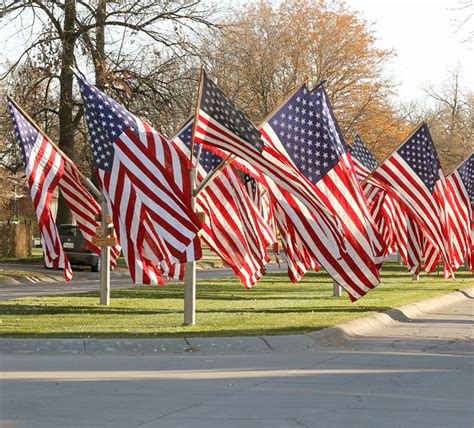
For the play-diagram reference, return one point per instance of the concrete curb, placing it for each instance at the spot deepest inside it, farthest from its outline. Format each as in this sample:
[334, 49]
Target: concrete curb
[364, 326]
[248, 344]
[29, 277]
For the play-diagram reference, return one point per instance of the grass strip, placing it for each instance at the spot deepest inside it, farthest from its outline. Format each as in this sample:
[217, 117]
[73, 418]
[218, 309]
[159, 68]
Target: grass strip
[224, 307]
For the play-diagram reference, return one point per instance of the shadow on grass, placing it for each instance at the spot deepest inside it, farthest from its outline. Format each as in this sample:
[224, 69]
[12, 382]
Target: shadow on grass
[210, 292]
[34, 310]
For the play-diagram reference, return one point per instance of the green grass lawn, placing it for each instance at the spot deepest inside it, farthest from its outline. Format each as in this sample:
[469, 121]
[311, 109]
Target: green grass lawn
[224, 307]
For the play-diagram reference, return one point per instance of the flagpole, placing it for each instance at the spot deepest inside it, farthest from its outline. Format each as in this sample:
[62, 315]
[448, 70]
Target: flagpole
[196, 112]
[104, 258]
[190, 267]
[336, 289]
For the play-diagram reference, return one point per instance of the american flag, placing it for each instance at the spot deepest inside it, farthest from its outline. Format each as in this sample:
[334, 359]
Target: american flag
[84, 209]
[261, 198]
[461, 185]
[224, 129]
[397, 229]
[385, 210]
[415, 246]
[299, 233]
[153, 218]
[413, 174]
[364, 160]
[233, 228]
[82, 204]
[305, 127]
[44, 168]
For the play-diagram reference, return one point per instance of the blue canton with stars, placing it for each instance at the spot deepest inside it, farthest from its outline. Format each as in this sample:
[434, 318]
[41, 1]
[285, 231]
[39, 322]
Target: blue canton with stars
[220, 108]
[420, 154]
[26, 134]
[308, 130]
[466, 172]
[106, 121]
[362, 153]
[208, 159]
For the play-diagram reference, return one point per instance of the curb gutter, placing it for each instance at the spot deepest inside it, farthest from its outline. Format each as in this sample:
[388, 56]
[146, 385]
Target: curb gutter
[248, 344]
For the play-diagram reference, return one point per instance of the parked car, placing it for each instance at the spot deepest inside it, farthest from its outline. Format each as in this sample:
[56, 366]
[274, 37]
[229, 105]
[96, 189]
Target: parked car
[75, 247]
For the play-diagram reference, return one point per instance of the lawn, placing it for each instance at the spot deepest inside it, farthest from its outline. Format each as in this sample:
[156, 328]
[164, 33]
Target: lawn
[224, 307]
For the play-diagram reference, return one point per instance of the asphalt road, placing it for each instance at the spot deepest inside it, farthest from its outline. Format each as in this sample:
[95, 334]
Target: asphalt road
[414, 374]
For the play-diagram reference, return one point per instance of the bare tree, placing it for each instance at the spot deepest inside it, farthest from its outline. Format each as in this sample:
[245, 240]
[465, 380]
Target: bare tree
[124, 42]
[464, 19]
[451, 120]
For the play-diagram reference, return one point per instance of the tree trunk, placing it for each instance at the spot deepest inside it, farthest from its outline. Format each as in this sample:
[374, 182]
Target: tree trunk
[98, 59]
[100, 45]
[66, 127]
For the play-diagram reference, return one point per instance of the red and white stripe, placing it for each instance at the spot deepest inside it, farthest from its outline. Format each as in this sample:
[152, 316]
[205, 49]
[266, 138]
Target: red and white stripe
[384, 210]
[426, 209]
[399, 230]
[462, 223]
[84, 209]
[298, 257]
[270, 163]
[233, 227]
[340, 190]
[43, 171]
[157, 224]
[130, 222]
[415, 246]
[345, 266]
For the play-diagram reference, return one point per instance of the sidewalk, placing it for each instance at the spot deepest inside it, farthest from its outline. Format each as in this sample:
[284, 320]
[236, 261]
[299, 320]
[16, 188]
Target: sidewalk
[416, 371]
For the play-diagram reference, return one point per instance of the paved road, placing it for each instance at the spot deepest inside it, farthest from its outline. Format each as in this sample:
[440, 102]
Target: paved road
[414, 374]
[85, 281]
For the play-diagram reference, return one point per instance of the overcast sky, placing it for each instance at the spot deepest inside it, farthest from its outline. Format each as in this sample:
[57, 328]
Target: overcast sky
[425, 36]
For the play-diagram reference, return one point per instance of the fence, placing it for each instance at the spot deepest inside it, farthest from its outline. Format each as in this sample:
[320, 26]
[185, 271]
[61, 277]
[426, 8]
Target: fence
[16, 238]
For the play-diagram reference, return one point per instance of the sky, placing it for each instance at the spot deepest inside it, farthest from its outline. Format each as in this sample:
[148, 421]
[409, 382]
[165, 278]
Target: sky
[422, 32]
[426, 39]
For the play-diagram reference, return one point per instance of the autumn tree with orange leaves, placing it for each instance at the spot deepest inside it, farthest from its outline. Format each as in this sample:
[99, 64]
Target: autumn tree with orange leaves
[266, 50]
